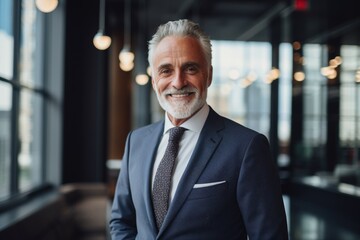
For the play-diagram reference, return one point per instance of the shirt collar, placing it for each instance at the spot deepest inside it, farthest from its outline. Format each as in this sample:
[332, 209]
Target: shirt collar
[194, 124]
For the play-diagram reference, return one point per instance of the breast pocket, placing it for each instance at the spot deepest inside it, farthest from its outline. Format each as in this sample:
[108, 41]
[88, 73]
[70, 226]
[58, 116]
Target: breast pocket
[207, 190]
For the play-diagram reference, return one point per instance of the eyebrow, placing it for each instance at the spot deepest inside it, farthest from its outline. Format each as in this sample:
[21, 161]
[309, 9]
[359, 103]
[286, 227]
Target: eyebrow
[184, 65]
[187, 64]
[162, 66]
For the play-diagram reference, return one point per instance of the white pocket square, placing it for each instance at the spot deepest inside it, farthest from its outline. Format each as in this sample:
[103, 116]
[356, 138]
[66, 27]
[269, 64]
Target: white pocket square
[202, 185]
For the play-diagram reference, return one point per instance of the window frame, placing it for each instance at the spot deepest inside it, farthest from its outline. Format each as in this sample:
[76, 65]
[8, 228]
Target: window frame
[16, 196]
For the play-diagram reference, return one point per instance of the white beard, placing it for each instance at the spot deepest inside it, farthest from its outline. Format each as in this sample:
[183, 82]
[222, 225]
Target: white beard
[181, 109]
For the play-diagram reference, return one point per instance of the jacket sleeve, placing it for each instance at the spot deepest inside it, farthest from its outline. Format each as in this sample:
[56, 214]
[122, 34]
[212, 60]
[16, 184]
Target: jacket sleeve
[259, 193]
[122, 218]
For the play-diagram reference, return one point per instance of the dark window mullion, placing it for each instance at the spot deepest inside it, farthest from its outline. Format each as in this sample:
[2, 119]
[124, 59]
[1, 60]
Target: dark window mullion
[14, 182]
[45, 97]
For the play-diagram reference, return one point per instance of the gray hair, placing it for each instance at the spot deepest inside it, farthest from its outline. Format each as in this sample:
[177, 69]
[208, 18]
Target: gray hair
[181, 28]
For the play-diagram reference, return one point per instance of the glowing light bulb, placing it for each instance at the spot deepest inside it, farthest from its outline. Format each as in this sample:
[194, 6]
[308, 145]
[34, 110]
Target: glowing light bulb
[101, 41]
[126, 56]
[299, 76]
[46, 6]
[142, 79]
[126, 66]
[357, 76]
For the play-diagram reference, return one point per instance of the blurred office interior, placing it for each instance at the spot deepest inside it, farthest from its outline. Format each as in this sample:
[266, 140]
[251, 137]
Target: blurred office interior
[69, 95]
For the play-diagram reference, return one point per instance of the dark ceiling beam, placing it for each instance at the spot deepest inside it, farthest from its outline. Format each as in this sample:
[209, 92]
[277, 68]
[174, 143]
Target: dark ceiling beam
[264, 21]
[341, 30]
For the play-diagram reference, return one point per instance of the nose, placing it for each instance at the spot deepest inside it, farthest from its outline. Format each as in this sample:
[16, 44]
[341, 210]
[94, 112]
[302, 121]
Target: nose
[179, 81]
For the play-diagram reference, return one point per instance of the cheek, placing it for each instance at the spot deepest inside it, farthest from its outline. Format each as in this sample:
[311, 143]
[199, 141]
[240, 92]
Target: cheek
[159, 85]
[201, 83]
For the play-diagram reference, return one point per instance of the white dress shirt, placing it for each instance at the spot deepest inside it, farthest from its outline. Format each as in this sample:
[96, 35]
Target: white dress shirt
[186, 147]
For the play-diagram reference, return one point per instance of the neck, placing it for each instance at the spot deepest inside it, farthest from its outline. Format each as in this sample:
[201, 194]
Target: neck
[177, 122]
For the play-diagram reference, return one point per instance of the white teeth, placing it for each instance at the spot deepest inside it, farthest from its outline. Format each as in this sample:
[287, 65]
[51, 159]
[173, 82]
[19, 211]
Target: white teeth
[180, 95]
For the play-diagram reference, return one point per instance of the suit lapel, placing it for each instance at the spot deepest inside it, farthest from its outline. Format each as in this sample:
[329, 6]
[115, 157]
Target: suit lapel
[208, 141]
[152, 138]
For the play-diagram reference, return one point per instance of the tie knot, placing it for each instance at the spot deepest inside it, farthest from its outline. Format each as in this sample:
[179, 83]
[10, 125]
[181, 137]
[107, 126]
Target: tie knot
[176, 133]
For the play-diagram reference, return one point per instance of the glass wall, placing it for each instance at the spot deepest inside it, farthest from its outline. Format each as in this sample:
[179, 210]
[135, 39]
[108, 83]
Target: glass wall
[327, 145]
[5, 138]
[6, 93]
[6, 39]
[30, 101]
[22, 99]
[285, 91]
[350, 103]
[240, 89]
[347, 169]
[314, 118]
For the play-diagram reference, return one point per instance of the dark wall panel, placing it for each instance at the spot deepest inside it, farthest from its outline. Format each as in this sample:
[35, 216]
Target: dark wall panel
[85, 97]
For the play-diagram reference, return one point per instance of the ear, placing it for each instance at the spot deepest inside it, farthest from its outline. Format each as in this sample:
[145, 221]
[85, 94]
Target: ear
[209, 80]
[153, 83]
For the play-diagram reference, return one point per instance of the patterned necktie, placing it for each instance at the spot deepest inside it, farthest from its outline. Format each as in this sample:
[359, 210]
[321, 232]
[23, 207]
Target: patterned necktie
[162, 181]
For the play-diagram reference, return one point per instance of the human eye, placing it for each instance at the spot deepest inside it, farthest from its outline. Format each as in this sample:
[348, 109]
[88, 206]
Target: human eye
[191, 68]
[165, 71]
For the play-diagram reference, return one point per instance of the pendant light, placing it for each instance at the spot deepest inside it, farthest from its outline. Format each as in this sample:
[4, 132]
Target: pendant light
[46, 6]
[101, 41]
[127, 57]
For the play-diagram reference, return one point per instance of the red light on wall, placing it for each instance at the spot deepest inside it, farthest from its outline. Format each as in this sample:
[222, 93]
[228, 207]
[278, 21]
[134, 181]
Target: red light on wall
[301, 5]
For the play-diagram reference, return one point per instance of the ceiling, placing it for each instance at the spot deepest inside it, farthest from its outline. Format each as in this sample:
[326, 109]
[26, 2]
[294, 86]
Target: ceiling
[248, 20]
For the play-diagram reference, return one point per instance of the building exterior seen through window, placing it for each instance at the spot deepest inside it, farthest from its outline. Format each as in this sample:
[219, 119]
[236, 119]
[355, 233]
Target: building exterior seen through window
[21, 100]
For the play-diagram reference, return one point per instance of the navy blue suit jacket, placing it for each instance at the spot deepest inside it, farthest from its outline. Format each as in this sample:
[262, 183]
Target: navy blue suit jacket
[238, 191]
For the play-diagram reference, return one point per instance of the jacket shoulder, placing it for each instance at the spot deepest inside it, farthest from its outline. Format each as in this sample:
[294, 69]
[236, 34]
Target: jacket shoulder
[148, 129]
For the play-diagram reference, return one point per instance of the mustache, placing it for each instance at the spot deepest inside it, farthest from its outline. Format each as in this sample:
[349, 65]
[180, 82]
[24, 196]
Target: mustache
[184, 90]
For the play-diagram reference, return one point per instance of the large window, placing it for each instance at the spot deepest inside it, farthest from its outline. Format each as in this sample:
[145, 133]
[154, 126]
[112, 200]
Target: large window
[350, 105]
[329, 142]
[240, 89]
[6, 39]
[314, 119]
[285, 91]
[21, 99]
[5, 137]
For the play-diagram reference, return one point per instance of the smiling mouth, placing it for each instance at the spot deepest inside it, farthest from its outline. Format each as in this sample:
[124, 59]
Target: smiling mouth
[180, 95]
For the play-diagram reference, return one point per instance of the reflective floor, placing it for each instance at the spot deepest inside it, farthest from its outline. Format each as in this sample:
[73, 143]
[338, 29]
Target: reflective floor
[307, 221]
